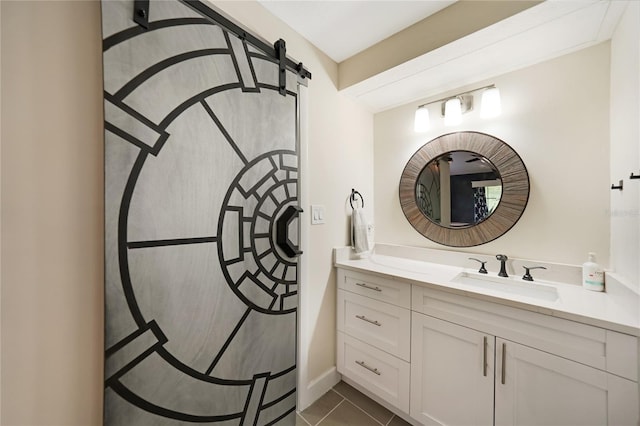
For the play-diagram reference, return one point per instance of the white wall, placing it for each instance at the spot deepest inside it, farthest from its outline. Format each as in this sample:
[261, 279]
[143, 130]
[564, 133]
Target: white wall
[52, 168]
[625, 145]
[556, 116]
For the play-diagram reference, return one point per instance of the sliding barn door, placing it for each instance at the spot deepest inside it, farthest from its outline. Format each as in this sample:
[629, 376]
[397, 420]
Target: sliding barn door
[201, 204]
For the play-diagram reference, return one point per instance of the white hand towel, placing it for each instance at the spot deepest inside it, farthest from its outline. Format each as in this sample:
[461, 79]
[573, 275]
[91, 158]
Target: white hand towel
[359, 235]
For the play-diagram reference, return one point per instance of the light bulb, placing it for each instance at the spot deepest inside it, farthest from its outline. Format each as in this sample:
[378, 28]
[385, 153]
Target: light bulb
[421, 123]
[491, 106]
[452, 112]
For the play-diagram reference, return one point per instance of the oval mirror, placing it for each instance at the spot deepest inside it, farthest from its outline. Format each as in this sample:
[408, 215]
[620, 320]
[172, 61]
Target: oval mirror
[458, 189]
[464, 189]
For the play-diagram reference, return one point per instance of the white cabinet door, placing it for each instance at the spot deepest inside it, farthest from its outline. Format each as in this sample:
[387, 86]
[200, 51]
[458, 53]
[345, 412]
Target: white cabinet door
[537, 388]
[452, 373]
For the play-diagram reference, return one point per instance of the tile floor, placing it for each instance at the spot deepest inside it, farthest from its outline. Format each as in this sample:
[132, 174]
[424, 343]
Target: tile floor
[344, 405]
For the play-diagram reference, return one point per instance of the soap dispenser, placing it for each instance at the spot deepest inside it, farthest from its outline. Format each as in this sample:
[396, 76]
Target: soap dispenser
[592, 274]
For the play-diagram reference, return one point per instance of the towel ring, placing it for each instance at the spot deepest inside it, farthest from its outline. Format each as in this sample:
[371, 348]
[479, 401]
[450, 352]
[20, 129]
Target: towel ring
[352, 198]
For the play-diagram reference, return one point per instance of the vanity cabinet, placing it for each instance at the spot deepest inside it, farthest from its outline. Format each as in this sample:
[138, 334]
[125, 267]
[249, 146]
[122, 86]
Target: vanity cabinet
[516, 367]
[455, 366]
[451, 359]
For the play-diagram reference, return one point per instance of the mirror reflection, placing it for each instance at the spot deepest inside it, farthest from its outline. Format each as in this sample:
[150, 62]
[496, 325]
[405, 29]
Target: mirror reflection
[458, 189]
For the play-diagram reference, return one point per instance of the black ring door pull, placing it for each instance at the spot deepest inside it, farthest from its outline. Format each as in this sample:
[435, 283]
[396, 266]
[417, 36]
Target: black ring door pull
[282, 231]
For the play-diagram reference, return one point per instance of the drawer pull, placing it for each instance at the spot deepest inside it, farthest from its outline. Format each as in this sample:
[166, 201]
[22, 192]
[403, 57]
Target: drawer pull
[369, 287]
[484, 361]
[504, 363]
[363, 318]
[373, 370]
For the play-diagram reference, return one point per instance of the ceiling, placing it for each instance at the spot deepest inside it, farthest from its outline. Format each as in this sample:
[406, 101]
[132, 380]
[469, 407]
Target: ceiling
[343, 28]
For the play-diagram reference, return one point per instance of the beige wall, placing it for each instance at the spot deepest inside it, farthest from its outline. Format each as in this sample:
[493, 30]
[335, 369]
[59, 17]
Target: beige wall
[555, 115]
[52, 211]
[625, 145]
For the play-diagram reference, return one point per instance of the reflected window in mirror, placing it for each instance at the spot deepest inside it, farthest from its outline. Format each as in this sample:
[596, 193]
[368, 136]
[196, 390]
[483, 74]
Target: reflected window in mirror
[458, 189]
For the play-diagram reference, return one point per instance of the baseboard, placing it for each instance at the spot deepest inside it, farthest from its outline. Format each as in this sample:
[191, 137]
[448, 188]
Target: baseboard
[317, 388]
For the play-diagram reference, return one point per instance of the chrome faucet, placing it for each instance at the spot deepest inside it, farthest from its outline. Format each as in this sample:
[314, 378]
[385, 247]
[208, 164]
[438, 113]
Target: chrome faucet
[503, 259]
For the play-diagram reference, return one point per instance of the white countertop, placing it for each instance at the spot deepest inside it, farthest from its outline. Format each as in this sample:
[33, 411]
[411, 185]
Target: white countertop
[574, 302]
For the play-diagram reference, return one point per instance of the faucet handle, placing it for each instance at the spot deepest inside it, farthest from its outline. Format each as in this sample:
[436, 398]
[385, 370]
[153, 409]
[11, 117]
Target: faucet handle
[482, 270]
[527, 275]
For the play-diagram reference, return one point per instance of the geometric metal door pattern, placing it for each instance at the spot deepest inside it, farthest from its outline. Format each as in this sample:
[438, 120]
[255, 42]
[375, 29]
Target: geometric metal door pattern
[201, 160]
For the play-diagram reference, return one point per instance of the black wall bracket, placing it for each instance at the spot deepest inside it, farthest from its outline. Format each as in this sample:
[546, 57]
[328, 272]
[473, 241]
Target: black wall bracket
[236, 29]
[634, 176]
[282, 231]
[618, 186]
[302, 71]
[281, 53]
[141, 13]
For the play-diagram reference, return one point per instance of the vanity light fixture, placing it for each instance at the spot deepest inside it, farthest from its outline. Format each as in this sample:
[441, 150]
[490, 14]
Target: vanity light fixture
[421, 122]
[491, 105]
[453, 112]
[453, 107]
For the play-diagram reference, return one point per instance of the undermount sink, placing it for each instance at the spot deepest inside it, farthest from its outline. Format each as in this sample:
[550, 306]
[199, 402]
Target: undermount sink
[507, 285]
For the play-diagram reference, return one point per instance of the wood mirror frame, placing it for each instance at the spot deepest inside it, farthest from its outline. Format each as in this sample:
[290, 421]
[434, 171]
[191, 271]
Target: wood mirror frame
[515, 189]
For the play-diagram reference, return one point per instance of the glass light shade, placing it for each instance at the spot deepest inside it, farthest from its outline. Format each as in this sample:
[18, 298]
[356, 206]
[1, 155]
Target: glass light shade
[491, 106]
[421, 123]
[452, 112]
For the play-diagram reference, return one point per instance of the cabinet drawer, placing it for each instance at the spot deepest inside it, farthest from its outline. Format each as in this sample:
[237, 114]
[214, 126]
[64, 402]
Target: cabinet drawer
[396, 293]
[385, 326]
[380, 373]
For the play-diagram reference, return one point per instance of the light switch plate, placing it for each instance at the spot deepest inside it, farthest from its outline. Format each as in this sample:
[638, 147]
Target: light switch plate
[317, 214]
